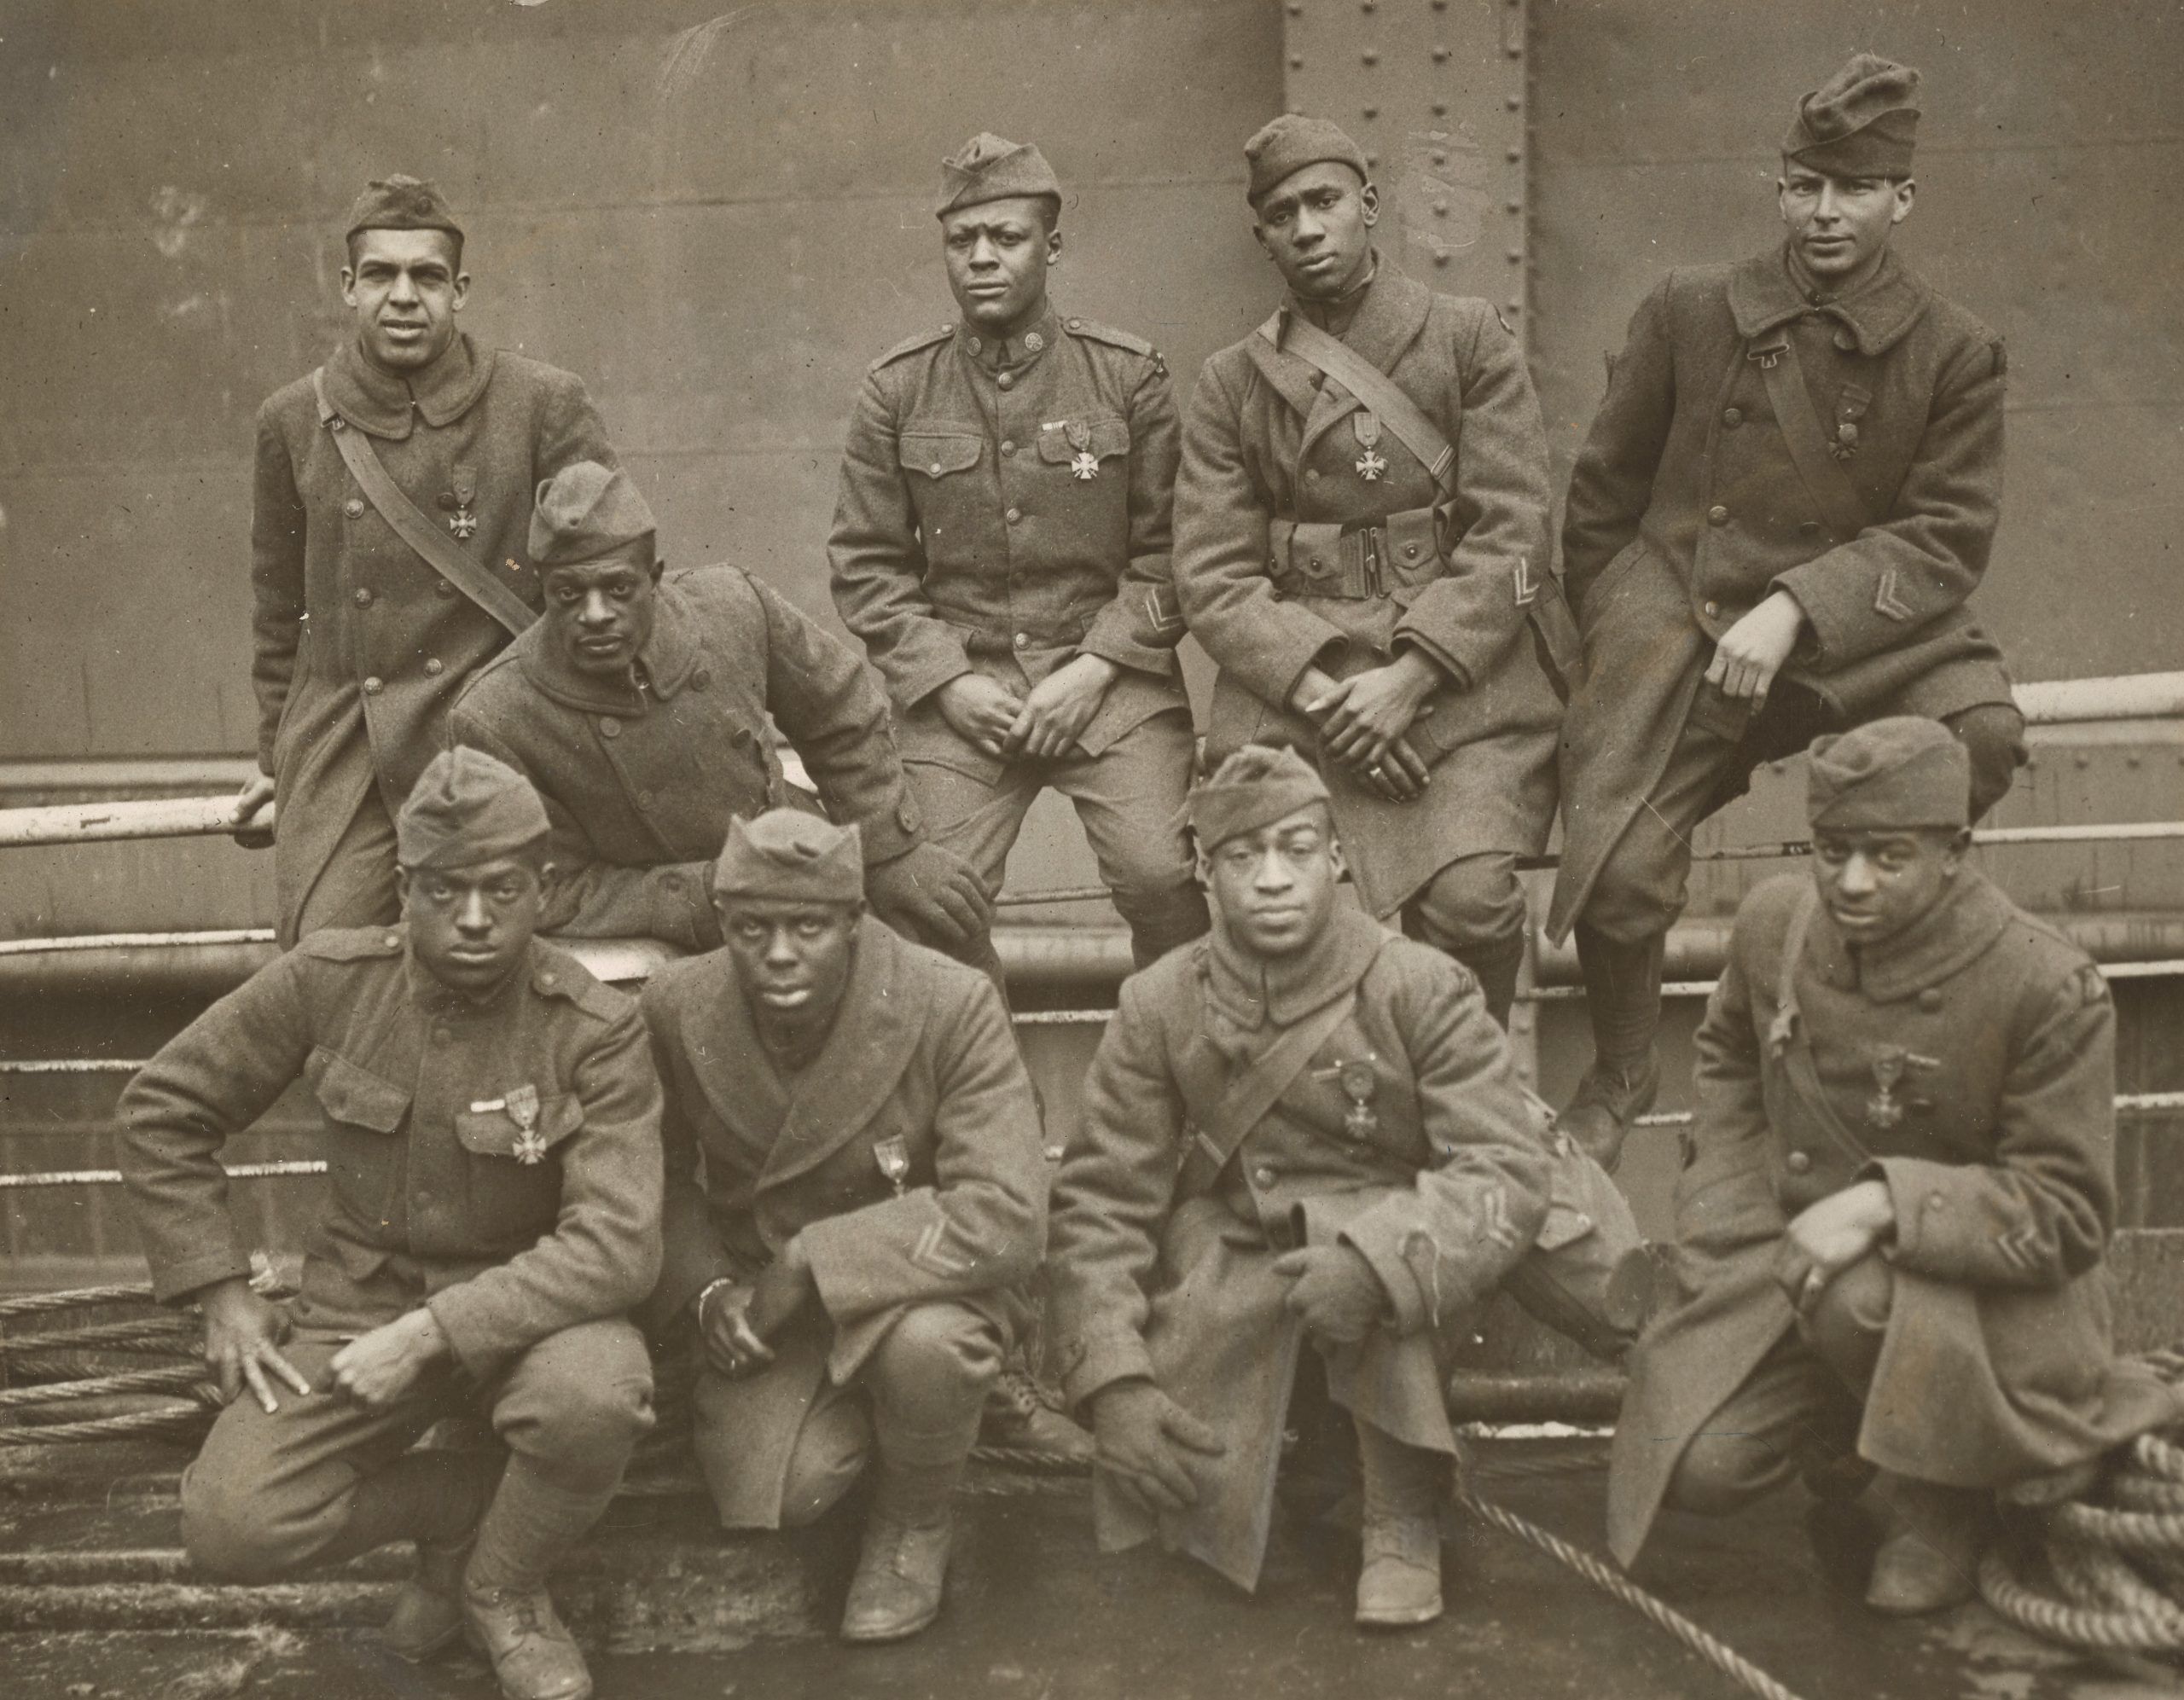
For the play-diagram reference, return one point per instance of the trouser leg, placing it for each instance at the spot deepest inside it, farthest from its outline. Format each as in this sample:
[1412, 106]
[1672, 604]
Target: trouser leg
[833, 1447]
[1129, 800]
[978, 822]
[1791, 1412]
[1474, 909]
[1993, 735]
[320, 1479]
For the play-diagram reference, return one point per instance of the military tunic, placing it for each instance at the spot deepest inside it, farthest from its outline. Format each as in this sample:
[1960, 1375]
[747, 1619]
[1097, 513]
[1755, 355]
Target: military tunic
[1685, 511]
[920, 1070]
[1162, 1264]
[1268, 443]
[1005, 520]
[641, 783]
[1968, 1064]
[360, 646]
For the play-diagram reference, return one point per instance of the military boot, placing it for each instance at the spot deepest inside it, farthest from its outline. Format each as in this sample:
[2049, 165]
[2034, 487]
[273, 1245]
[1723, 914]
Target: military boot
[1019, 1416]
[427, 1614]
[903, 1570]
[1400, 1583]
[531, 1523]
[1622, 994]
[1495, 965]
[1929, 1557]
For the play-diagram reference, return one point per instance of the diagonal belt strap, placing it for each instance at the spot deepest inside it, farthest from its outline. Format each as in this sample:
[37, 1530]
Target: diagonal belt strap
[414, 525]
[1252, 1092]
[1371, 386]
[1825, 480]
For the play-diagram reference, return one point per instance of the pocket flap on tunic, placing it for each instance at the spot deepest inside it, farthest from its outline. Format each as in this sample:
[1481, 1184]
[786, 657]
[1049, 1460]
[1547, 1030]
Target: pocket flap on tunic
[355, 1096]
[1105, 440]
[936, 455]
[494, 1133]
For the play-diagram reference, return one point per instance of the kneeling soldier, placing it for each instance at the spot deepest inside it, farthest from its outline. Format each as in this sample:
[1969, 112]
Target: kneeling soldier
[1897, 1194]
[491, 1121]
[1305, 1125]
[858, 1194]
[639, 705]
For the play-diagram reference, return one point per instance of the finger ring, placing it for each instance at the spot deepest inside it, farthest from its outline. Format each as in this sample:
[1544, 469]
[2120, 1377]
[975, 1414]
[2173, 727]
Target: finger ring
[1375, 773]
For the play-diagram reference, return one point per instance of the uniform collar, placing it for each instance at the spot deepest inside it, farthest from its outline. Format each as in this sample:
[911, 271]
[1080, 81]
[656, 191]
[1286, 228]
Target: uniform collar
[1253, 991]
[990, 353]
[1389, 313]
[668, 658]
[387, 406]
[1940, 944]
[1765, 292]
[436, 997]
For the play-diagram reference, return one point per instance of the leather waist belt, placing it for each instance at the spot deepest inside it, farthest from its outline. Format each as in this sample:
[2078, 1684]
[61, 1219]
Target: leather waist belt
[1357, 563]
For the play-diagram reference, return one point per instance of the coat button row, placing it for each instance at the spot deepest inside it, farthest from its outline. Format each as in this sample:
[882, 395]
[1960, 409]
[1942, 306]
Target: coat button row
[434, 668]
[1732, 417]
[353, 508]
[1007, 380]
[1008, 446]
[363, 598]
[610, 725]
[1023, 639]
[1014, 514]
[374, 685]
[1717, 516]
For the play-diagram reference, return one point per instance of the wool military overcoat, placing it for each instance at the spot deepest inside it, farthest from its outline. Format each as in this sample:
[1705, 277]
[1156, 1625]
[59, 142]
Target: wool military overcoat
[360, 645]
[920, 1072]
[1686, 512]
[1006, 521]
[1266, 440]
[497, 1162]
[641, 784]
[1969, 1064]
[1163, 1259]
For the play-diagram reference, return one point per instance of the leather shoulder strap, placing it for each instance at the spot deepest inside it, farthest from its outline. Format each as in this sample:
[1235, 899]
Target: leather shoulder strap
[1371, 386]
[414, 526]
[1825, 480]
[1791, 1039]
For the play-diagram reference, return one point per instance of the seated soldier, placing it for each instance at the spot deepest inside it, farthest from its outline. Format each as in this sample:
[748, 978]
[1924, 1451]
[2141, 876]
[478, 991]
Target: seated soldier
[1897, 1195]
[858, 1196]
[1305, 1126]
[638, 705]
[490, 1119]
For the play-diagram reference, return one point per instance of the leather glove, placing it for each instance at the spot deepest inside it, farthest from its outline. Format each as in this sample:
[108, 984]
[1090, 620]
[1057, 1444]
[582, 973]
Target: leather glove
[936, 894]
[1148, 1445]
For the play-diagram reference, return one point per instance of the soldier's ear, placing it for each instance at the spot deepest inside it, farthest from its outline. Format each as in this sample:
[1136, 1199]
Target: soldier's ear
[1369, 198]
[460, 293]
[1907, 191]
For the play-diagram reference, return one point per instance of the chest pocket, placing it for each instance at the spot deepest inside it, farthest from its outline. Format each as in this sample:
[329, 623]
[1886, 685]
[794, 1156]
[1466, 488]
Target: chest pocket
[1104, 438]
[516, 1181]
[936, 455]
[365, 1109]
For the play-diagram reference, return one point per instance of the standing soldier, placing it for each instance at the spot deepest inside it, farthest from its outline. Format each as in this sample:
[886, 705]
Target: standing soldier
[1785, 500]
[394, 490]
[491, 1121]
[1897, 1193]
[1360, 529]
[1001, 544]
[640, 708]
[857, 1197]
[1305, 1126]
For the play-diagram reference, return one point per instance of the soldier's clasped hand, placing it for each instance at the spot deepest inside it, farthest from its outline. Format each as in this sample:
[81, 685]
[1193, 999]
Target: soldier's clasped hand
[1830, 1236]
[980, 710]
[243, 1334]
[1061, 706]
[1336, 1293]
[1148, 1445]
[376, 1369]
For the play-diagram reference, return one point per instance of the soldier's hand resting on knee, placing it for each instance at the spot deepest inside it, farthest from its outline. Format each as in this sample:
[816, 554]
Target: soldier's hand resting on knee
[1391, 767]
[243, 1334]
[1061, 706]
[1149, 1444]
[1829, 1236]
[1753, 650]
[980, 710]
[1336, 1293]
[936, 887]
[376, 1369]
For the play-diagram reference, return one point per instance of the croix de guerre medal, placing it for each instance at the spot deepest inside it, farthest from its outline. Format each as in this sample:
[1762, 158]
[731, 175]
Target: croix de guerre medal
[1883, 1113]
[1083, 464]
[1367, 429]
[1358, 1083]
[522, 1108]
[893, 1157]
[462, 522]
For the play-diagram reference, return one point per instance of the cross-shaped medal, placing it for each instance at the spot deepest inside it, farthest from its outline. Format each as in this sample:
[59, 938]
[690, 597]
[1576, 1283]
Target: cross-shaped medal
[1082, 465]
[1370, 465]
[523, 1110]
[462, 522]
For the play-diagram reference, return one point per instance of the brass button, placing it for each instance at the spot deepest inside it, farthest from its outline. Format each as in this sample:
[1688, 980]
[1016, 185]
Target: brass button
[1800, 1162]
[1712, 609]
[1410, 551]
[1262, 1175]
[976, 345]
[1013, 515]
[1008, 446]
[610, 725]
[1935, 1201]
[353, 507]
[1023, 639]
[448, 503]
[934, 469]
[671, 881]
[363, 598]
[644, 799]
[435, 667]
[1931, 999]
[1732, 417]
[1034, 341]
[444, 588]
[1007, 380]
[442, 1036]
[1311, 475]
[1717, 516]
[701, 679]
[374, 685]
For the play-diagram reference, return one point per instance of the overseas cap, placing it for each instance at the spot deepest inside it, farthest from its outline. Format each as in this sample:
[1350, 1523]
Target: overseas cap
[787, 853]
[585, 511]
[1861, 123]
[1285, 145]
[1258, 785]
[1888, 774]
[990, 167]
[400, 203]
[467, 807]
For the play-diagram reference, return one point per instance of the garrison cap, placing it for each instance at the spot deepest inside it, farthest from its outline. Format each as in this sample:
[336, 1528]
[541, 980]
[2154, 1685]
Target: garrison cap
[1286, 144]
[787, 853]
[1889, 775]
[585, 511]
[467, 807]
[1259, 785]
[1861, 123]
[990, 167]
[401, 203]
